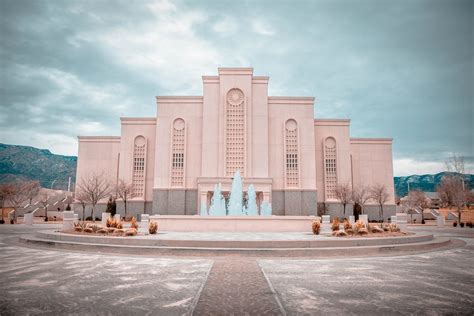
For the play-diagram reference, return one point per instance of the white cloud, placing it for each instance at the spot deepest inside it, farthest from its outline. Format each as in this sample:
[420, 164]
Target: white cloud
[408, 166]
[165, 50]
[226, 26]
[263, 28]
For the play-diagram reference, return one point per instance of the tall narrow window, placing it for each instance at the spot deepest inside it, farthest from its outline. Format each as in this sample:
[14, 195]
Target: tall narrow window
[235, 132]
[330, 167]
[139, 156]
[177, 153]
[291, 149]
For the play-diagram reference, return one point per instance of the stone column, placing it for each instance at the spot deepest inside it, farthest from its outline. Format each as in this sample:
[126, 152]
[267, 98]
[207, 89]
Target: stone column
[68, 220]
[105, 216]
[326, 225]
[28, 219]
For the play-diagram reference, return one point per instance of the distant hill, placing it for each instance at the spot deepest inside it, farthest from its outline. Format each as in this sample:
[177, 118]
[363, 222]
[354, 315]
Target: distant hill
[427, 182]
[29, 163]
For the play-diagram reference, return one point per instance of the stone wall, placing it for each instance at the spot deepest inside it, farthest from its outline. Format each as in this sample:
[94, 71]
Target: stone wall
[294, 202]
[174, 202]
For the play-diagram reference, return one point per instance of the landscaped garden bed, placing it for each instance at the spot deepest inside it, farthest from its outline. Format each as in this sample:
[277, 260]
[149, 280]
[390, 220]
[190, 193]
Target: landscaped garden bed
[114, 227]
[359, 229]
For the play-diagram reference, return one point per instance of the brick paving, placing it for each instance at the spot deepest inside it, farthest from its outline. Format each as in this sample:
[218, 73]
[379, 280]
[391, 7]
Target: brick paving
[237, 286]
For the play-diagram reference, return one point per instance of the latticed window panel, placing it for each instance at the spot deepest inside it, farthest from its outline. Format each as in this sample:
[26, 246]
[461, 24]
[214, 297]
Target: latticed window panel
[330, 168]
[138, 177]
[235, 132]
[177, 154]
[291, 148]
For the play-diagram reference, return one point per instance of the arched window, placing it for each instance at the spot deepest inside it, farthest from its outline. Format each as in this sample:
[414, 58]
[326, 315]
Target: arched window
[177, 153]
[330, 167]
[235, 132]
[291, 151]
[139, 164]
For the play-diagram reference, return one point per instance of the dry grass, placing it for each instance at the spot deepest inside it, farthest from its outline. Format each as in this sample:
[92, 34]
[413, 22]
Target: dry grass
[118, 232]
[335, 224]
[316, 226]
[347, 225]
[153, 227]
[339, 233]
[133, 223]
[375, 229]
[131, 232]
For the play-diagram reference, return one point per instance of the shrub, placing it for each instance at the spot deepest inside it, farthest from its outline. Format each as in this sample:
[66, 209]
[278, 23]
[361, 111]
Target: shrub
[339, 233]
[110, 230]
[315, 225]
[131, 232]
[152, 227]
[455, 224]
[469, 224]
[88, 230]
[134, 223]
[78, 229]
[118, 224]
[45, 219]
[2, 221]
[94, 227]
[109, 222]
[349, 231]
[461, 224]
[393, 228]
[12, 221]
[68, 207]
[335, 225]
[102, 230]
[88, 218]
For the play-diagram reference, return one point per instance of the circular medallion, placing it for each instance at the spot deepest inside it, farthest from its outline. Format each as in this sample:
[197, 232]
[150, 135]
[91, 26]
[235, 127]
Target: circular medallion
[140, 141]
[291, 125]
[235, 96]
[178, 124]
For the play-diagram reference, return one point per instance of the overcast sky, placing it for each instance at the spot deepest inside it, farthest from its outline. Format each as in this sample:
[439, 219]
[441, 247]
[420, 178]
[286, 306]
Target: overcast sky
[401, 69]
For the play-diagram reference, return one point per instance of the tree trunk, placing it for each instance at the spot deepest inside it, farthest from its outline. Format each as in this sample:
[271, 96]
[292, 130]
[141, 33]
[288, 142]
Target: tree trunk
[83, 213]
[459, 215]
[92, 213]
[125, 205]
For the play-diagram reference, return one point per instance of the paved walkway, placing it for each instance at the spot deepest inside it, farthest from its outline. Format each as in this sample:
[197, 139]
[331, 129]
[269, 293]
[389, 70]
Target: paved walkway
[237, 286]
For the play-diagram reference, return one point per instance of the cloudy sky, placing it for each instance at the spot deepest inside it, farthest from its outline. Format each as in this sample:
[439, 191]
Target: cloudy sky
[401, 69]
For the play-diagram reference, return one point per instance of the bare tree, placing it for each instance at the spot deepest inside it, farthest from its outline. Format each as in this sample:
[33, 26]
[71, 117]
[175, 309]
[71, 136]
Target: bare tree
[343, 193]
[15, 194]
[379, 194]
[452, 189]
[361, 196]
[453, 193]
[96, 187]
[44, 201]
[124, 190]
[418, 199]
[455, 164]
[32, 189]
[83, 199]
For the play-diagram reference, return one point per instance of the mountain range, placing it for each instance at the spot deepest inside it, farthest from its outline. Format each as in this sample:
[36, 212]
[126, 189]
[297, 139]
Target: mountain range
[29, 163]
[19, 163]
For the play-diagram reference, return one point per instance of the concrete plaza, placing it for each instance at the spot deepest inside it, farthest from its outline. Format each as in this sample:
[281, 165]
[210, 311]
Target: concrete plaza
[52, 282]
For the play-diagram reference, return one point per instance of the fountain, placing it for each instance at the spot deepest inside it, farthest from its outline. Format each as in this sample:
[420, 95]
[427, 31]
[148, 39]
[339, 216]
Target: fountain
[236, 194]
[218, 203]
[251, 209]
[235, 207]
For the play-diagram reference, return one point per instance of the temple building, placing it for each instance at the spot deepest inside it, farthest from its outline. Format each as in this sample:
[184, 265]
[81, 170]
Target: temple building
[294, 160]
